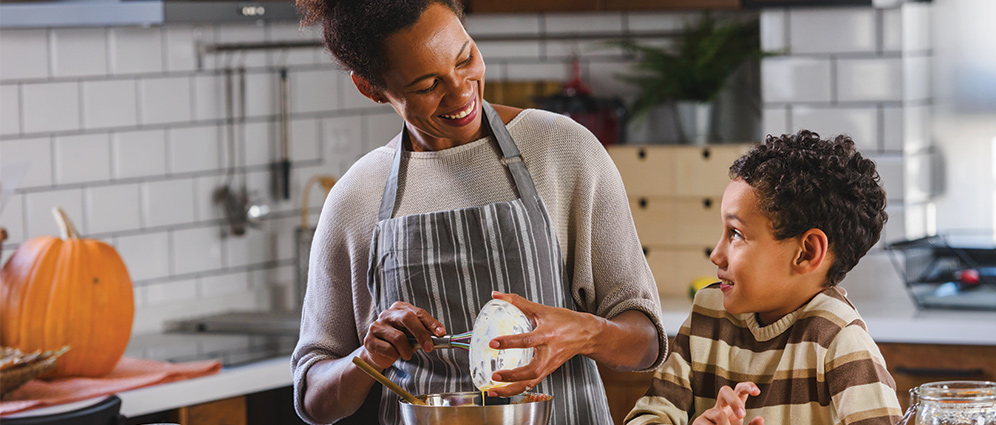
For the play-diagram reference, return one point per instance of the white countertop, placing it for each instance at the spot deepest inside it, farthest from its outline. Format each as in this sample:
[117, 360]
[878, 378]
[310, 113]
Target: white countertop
[230, 382]
[887, 322]
[893, 321]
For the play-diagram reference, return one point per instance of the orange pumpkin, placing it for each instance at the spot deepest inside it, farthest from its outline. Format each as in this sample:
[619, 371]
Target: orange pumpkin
[67, 291]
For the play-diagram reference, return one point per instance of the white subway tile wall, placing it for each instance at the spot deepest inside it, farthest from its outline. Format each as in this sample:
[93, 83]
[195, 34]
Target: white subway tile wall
[82, 158]
[112, 208]
[125, 128]
[136, 50]
[138, 153]
[50, 107]
[861, 71]
[109, 103]
[10, 112]
[30, 48]
[78, 52]
[33, 156]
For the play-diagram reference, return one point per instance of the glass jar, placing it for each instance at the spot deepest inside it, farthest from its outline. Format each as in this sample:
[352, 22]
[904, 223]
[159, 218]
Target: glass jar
[952, 403]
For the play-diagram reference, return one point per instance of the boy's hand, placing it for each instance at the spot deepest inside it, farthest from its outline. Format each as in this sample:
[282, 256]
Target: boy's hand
[729, 408]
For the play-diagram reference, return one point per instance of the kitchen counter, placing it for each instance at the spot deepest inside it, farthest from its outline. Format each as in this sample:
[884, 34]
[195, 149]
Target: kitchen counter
[893, 321]
[888, 322]
[230, 382]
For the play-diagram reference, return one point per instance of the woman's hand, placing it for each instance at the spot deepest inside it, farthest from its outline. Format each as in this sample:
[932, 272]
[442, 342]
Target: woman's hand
[387, 337]
[559, 335]
[729, 408]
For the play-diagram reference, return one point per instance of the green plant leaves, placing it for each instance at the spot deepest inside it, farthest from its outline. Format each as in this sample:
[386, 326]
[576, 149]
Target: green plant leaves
[696, 66]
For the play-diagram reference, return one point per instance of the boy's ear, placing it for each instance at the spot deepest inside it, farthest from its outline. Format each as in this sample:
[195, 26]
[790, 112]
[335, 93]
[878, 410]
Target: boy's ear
[814, 251]
[367, 89]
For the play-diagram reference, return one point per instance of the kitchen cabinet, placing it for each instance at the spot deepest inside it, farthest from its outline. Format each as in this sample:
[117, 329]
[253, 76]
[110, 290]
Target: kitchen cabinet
[261, 408]
[675, 192]
[532, 6]
[914, 364]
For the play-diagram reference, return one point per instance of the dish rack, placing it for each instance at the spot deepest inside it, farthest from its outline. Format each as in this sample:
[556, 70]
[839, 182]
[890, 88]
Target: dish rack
[948, 272]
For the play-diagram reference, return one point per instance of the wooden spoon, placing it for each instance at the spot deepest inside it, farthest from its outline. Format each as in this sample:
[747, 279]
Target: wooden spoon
[387, 382]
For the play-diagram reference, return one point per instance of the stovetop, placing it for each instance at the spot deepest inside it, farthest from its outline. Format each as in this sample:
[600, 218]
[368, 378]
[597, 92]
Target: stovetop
[229, 349]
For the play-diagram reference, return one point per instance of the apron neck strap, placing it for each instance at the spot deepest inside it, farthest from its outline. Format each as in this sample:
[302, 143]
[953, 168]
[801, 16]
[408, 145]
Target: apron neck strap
[510, 153]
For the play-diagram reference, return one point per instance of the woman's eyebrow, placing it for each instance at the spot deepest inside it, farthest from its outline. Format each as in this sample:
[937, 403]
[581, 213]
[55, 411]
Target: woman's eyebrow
[430, 75]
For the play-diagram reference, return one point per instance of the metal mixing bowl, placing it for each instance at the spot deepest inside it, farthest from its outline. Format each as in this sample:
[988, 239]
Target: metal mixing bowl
[460, 409]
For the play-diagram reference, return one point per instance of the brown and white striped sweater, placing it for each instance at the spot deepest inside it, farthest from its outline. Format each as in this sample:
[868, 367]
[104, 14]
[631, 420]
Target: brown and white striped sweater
[816, 365]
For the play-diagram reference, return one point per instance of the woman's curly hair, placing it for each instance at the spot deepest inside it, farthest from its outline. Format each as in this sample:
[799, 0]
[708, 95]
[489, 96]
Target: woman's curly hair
[354, 30]
[804, 182]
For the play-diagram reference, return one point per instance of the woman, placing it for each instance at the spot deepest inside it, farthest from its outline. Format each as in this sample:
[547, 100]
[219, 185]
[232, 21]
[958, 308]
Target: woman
[419, 234]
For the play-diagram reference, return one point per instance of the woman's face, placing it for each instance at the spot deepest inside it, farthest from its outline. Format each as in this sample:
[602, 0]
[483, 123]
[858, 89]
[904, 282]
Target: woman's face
[435, 80]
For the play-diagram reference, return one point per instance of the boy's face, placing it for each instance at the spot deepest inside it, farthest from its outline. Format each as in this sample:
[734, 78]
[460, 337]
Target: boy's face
[755, 268]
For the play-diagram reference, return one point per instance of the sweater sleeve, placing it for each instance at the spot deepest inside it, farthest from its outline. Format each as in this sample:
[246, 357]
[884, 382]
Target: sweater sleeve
[337, 306]
[669, 400]
[861, 389]
[587, 201]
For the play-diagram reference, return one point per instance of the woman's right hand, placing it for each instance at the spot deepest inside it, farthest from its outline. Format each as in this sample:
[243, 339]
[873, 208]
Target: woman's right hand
[387, 337]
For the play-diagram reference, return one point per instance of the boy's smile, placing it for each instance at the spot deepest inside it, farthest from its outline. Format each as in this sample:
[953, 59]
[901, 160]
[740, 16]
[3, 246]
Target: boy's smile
[756, 270]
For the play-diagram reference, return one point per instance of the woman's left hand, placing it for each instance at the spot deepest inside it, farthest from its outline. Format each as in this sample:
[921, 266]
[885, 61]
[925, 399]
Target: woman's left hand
[559, 335]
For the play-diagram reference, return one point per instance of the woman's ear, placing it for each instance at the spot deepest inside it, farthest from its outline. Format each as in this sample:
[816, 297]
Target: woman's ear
[367, 89]
[814, 251]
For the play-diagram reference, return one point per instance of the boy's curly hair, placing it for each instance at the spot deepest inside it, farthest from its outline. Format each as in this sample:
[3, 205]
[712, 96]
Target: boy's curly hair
[354, 30]
[804, 182]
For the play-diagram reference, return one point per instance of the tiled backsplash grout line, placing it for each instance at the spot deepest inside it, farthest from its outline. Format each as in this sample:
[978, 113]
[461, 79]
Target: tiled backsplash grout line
[274, 118]
[162, 177]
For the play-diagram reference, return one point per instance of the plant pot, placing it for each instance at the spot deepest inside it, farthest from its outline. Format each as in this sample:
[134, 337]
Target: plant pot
[695, 121]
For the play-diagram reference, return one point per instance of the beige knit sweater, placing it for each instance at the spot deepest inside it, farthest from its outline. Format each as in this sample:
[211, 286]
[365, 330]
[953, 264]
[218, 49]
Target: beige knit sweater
[816, 365]
[573, 174]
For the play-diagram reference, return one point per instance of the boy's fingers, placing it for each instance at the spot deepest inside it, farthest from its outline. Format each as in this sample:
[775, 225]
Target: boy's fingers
[745, 388]
[716, 416]
[757, 421]
[729, 398]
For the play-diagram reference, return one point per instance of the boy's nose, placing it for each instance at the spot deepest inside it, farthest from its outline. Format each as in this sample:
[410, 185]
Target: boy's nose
[715, 256]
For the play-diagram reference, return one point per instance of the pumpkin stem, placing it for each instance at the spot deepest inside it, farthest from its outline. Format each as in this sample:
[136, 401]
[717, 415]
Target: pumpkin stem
[65, 225]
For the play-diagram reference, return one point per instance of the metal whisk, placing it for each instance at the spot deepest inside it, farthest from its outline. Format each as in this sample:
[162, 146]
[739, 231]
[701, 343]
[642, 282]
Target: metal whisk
[461, 341]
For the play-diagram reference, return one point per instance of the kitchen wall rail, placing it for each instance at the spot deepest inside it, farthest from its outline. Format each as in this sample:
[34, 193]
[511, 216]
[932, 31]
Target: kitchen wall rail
[208, 49]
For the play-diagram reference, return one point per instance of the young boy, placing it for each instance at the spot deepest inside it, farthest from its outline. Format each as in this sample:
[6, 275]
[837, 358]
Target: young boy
[797, 216]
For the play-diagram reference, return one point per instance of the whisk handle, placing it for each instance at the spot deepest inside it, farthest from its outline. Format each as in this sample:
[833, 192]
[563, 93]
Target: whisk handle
[437, 342]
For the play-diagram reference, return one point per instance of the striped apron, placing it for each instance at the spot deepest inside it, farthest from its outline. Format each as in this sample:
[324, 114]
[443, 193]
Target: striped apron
[448, 263]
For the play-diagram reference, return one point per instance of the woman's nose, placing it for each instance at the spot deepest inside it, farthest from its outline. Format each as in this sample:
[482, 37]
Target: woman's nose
[461, 90]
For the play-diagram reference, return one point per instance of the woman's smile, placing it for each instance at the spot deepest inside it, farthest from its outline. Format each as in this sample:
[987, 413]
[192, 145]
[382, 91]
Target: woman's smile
[462, 116]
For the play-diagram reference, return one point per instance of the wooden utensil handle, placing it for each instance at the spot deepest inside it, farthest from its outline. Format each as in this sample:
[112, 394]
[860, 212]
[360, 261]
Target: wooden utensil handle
[387, 382]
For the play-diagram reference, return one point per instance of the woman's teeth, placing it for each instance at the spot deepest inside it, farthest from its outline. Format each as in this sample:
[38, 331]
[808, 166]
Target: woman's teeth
[462, 113]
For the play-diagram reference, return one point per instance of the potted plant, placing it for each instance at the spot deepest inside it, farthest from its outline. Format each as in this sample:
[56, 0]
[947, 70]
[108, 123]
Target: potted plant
[692, 71]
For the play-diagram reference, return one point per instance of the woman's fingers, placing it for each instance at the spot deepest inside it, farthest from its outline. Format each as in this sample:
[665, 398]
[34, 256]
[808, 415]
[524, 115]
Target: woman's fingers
[510, 389]
[527, 307]
[387, 337]
[528, 372]
[757, 421]
[394, 337]
[382, 354]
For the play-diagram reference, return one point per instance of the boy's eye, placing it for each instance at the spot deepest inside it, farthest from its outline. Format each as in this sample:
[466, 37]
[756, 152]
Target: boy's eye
[735, 234]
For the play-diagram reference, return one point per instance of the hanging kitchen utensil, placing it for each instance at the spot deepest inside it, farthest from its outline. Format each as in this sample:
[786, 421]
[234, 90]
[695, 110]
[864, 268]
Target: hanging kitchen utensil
[234, 202]
[284, 166]
[305, 234]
